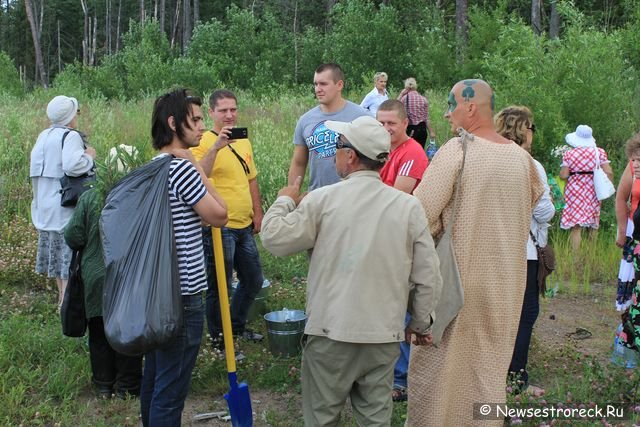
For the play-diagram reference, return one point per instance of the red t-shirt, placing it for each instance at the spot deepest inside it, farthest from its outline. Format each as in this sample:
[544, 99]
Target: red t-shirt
[409, 159]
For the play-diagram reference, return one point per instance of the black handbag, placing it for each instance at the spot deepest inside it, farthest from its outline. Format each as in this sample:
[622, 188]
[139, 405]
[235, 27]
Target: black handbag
[72, 187]
[72, 314]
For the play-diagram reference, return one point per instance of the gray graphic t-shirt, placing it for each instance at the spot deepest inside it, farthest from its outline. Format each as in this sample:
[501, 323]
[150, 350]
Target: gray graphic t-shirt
[321, 142]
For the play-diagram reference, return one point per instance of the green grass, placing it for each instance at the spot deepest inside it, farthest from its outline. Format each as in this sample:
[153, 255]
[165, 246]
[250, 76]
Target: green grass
[45, 377]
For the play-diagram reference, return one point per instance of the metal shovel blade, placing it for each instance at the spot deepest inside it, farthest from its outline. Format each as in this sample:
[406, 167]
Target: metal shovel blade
[239, 403]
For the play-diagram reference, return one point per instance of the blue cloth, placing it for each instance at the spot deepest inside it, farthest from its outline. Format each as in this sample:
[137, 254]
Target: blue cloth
[240, 252]
[528, 316]
[402, 365]
[167, 371]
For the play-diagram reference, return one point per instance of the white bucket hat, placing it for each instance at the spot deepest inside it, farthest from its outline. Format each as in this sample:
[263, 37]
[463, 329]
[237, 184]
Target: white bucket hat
[582, 137]
[62, 109]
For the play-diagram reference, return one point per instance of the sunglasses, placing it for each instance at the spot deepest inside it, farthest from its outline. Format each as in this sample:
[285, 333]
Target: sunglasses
[343, 143]
[532, 128]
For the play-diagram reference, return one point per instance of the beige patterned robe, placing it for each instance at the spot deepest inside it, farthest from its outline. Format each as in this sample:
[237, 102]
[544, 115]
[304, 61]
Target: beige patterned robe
[499, 188]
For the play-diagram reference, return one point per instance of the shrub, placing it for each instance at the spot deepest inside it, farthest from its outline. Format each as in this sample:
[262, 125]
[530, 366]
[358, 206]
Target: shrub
[10, 82]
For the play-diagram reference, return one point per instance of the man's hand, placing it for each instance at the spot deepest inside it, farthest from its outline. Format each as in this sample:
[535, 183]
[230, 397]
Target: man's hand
[223, 138]
[415, 338]
[257, 223]
[293, 191]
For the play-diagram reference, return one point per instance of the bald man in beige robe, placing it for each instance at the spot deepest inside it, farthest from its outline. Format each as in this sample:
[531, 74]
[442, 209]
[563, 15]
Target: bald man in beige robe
[498, 190]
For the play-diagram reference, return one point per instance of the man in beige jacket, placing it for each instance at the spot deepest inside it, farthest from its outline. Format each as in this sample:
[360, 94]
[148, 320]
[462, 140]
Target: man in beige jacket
[371, 246]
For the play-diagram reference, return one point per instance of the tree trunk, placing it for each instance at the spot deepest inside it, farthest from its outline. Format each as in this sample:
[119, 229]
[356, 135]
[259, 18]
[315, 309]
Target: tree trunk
[107, 28]
[196, 12]
[118, 26]
[174, 33]
[142, 14]
[295, 41]
[36, 43]
[161, 15]
[554, 21]
[92, 57]
[59, 50]
[536, 24]
[187, 27]
[461, 30]
[85, 35]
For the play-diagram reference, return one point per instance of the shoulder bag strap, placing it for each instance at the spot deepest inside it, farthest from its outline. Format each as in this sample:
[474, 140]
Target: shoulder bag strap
[244, 164]
[65, 137]
[535, 242]
[464, 141]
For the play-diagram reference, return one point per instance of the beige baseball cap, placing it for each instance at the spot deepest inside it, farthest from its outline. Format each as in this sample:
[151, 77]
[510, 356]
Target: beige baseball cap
[366, 134]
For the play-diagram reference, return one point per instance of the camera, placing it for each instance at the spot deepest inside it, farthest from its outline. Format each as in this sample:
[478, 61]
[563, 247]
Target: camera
[239, 133]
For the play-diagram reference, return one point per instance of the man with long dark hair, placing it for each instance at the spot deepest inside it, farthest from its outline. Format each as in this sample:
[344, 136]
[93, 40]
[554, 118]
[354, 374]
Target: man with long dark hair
[177, 125]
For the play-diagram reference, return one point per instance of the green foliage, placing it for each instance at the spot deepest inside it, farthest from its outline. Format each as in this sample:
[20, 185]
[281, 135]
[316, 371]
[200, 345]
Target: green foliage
[246, 51]
[581, 79]
[10, 82]
[365, 37]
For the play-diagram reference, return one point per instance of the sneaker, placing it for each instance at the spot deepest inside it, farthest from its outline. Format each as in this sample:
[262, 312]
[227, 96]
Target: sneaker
[250, 335]
[239, 356]
[104, 392]
[621, 292]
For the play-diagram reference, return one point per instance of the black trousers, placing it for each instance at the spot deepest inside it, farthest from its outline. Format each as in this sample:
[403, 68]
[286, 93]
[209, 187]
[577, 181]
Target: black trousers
[418, 132]
[111, 369]
[528, 316]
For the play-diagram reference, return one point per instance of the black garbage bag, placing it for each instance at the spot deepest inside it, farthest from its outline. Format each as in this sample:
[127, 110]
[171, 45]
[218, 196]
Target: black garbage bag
[142, 304]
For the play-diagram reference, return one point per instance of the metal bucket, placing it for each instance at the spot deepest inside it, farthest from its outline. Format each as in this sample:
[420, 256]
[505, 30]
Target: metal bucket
[259, 306]
[285, 329]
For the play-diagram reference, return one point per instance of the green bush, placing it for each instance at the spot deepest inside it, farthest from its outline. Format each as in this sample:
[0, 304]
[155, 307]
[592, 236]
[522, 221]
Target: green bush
[367, 38]
[10, 82]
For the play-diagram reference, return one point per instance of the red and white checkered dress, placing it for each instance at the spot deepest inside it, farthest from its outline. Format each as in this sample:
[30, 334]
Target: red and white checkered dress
[583, 207]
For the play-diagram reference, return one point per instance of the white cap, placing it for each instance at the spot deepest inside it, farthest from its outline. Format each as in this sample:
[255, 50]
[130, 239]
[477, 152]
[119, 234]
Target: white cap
[366, 134]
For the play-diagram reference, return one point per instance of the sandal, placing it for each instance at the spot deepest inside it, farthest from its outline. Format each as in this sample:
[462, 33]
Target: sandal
[399, 394]
[580, 334]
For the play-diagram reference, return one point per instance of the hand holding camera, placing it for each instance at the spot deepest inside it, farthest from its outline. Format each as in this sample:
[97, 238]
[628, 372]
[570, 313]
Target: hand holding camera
[229, 134]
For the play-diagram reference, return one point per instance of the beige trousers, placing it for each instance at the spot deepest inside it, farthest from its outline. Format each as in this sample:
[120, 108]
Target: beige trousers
[334, 370]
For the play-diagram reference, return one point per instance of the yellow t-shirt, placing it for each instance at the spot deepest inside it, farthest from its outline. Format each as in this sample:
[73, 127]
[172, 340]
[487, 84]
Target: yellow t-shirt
[229, 178]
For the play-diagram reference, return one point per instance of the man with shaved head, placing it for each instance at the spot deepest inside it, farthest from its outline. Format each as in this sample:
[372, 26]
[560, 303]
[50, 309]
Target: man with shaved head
[498, 190]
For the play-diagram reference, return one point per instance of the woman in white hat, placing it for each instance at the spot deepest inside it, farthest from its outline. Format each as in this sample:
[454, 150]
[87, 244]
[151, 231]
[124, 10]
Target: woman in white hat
[583, 207]
[59, 150]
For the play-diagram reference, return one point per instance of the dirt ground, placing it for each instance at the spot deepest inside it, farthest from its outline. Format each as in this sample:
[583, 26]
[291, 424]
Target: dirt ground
[560, 317]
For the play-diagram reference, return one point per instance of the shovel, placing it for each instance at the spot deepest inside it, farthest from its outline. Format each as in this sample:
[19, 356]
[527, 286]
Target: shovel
[238, 397]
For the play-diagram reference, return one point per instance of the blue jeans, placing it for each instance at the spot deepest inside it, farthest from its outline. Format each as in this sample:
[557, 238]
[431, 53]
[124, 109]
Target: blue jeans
[167, 371]
[402, 365]
[528, 316]
[241, 253]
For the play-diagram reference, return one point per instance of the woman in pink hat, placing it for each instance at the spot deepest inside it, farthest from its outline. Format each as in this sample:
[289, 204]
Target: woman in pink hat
[583, 207]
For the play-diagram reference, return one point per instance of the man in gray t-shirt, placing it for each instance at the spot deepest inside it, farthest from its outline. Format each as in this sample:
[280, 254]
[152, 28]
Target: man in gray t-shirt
[313, 142]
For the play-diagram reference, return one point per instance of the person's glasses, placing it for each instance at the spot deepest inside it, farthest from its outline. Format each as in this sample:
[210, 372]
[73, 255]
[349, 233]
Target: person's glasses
[532, 128]
[343, 143]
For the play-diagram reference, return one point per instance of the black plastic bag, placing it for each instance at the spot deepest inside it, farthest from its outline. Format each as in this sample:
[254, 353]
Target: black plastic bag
[72, 314]
[142, 303]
